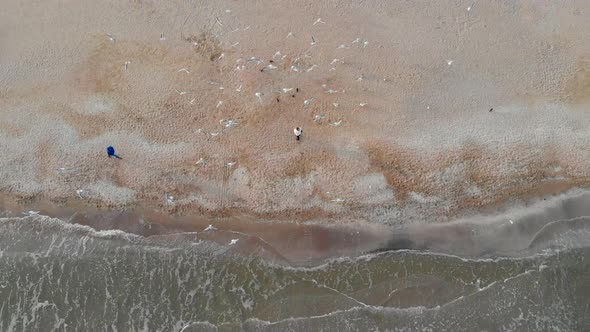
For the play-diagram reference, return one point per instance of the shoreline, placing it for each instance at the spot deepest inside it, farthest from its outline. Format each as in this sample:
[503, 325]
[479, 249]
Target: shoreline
[316, 240]
[296, 241]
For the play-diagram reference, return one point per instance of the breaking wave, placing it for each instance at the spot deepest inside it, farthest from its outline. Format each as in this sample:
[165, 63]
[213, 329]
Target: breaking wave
[59, 276]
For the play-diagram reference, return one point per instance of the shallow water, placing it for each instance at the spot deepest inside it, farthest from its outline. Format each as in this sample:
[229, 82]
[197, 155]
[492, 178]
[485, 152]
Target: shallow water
[59, 276]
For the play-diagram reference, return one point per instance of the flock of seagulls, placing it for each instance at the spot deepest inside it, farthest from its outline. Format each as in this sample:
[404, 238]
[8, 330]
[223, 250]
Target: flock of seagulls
[294, 68]
[229, 123]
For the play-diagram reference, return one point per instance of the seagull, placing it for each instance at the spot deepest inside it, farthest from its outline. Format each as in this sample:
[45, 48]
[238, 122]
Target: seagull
[230, 164]
[271, 67]
[254, 59]
[239, 89]
[319, 20]
[311, 68]
[511, 222]
[365, 43]
[214, 82]
[307, 102]
[169, 199]
[201, 161]
[192, 102]
[127, 64]
[235, 44]
[228, 123]
[213, 134]
[290, 35]
[450, 62]
[210, 228]
[312, 40]
[258, 94]
[233, 241]
[335, 60]
[31, 213]
[294, 68]
[184, 70]
[285, 90]
[335, 124]
[219, 103]
[79, 192]
[63, 170]
[112, 38]
[343, 46]
[318, 117]
[181, 92]
[363, 104]
[278, 53]
[335, 104]
[221, 56]
[228, 11]
[338, 200]
[162, 38]
[331, 91]
[355, 41]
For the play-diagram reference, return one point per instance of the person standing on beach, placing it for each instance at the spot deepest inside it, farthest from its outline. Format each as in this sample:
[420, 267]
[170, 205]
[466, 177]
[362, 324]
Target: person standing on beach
[298, 131]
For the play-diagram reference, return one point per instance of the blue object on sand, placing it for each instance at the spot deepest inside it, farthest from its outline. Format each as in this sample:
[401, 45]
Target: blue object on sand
[111, 152]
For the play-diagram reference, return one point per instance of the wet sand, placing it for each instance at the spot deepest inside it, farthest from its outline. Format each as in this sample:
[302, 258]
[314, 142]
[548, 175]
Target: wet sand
[511, 232]
[283, 241]
[416, 112]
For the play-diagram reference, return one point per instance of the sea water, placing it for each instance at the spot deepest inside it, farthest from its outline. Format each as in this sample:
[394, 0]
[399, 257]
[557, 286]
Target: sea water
[56, 276]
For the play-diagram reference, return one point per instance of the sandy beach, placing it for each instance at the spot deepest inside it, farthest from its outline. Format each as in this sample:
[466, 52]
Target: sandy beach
[440, 183]
[411, 111]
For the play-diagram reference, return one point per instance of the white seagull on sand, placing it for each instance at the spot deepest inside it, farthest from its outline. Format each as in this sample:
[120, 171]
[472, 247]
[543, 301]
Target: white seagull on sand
[319, 20]
[210, 228]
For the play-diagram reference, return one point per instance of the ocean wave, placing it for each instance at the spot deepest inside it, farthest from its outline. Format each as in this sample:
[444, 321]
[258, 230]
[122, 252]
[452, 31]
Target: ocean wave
[54, 273]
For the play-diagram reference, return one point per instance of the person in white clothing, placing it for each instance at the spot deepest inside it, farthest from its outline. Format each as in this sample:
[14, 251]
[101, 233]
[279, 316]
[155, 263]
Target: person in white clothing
[298, 131]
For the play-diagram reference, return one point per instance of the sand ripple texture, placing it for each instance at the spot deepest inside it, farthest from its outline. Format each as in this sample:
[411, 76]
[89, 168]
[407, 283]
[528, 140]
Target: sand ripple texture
[410, 110]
